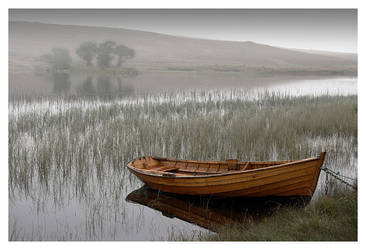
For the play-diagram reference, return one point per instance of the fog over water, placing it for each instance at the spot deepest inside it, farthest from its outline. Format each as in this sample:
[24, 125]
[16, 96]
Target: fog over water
[166, 62]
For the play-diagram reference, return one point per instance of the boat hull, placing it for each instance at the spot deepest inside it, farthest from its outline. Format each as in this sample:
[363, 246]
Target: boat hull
[297, 178]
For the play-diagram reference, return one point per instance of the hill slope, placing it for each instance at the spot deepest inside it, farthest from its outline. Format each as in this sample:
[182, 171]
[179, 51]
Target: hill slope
[27, 40]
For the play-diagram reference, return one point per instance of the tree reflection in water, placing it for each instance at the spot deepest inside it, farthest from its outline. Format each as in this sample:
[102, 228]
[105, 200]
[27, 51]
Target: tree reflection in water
[61, 82]
[87, 87]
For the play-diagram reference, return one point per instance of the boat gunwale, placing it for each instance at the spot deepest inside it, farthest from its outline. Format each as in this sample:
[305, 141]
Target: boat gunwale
[235, 172]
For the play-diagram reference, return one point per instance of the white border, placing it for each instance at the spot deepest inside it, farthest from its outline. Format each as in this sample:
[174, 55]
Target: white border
[175, 4]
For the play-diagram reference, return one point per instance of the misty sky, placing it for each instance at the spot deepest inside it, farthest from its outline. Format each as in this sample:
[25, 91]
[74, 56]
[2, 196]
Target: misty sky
[331, 30]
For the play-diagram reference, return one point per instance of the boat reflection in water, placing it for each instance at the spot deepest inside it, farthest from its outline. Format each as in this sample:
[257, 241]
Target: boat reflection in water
[212, 212]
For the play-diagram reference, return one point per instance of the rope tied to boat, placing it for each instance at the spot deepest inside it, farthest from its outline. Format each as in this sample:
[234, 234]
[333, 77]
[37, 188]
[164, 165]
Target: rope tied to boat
[338, 177]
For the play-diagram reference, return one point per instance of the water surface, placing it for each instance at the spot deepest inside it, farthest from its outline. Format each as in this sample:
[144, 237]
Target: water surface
[114, 85]
[67, 175]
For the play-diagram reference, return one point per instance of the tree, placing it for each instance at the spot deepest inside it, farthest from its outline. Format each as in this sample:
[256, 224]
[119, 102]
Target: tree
[87, 51]
[105, 53]
[58, 60]
[123, 53]
[61, 58]
[61, 81]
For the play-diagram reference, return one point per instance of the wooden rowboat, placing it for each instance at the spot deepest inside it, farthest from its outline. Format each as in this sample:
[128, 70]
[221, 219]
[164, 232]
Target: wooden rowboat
[230, 178]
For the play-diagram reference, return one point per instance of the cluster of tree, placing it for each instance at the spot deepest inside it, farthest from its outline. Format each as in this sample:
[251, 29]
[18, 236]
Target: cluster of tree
[104, 53]
[59, 59]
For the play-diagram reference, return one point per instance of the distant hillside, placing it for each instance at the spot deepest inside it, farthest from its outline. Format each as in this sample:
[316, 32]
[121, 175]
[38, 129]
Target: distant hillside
[27, 40]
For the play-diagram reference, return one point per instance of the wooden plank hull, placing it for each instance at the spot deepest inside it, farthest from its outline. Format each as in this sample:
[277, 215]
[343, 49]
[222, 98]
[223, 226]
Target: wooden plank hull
[283, 178]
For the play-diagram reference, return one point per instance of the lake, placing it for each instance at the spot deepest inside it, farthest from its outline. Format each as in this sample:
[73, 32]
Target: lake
[112, 85]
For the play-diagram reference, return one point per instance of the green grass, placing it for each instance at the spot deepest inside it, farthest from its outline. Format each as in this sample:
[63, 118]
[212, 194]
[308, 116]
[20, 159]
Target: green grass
[331, 218]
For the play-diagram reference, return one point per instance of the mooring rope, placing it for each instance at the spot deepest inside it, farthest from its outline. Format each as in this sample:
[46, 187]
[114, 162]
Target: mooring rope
[337, 176]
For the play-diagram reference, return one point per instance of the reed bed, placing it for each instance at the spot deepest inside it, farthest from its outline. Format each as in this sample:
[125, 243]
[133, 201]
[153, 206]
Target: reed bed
[64, 150]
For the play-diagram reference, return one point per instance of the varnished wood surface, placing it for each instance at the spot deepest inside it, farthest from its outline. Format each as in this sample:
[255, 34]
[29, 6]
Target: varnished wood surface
[229, 178]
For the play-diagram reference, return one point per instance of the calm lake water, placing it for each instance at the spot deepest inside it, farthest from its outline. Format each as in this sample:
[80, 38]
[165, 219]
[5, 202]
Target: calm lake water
[64, 84]
[116, 206]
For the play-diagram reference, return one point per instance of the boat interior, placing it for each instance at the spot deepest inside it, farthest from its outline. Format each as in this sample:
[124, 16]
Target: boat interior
[175, 167]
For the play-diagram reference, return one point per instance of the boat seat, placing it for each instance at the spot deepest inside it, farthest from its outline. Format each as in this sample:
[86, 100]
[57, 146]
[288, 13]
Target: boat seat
[165, 168]
[197, 171]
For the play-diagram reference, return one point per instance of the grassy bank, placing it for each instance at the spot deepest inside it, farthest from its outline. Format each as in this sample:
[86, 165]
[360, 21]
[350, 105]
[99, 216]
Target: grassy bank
[330, 218]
